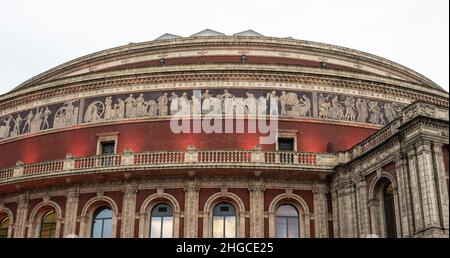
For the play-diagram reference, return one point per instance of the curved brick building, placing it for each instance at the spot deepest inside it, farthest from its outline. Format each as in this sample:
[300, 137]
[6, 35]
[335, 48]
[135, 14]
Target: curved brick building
[225, 136]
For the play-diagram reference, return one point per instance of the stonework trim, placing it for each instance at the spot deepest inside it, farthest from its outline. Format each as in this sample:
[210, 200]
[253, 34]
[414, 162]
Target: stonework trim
[302, 209]
[36, 216]
[88, 211]
[224, 197]
[376, 205]
[146, 210]
[8, 214]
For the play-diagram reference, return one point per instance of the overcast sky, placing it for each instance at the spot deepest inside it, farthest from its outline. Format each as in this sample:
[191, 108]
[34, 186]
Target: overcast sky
[38, 35]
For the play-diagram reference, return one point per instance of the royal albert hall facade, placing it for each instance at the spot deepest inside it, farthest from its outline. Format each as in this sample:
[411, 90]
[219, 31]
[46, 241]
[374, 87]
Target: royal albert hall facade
[360, 148]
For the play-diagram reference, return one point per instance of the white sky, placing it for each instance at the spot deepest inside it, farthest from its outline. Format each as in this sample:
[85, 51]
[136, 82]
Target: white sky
[38, 35]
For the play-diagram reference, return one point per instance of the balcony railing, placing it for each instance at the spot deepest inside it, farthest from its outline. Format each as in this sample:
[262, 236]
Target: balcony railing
[189, 159]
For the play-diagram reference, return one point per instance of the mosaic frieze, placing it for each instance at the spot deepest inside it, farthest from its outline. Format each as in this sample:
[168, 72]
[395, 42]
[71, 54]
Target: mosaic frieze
[154, 104]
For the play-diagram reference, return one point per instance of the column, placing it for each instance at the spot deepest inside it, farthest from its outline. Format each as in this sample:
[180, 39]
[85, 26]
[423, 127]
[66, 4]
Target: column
[320, 211]
[403, 198]
[256, 188]
[335, 207]
[361, 193]
[191, 190]
[71, 212]
[21, 216]
[346, 214]
[415, 192]
[427, 184]
[128, 210]
[441, 184]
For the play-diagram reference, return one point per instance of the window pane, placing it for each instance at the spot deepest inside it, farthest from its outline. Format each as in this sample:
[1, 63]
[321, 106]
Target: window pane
[230, 227]
[281, 227]
[286, 144]
[155, 230]
[97, 229]
[167, 227]
[287, 210]
[48, 225]
[105, 213]
[218, 222]
[108, 148]
[107, 228]
[224, 209]
[48, 230]
[293, 227]
[162, 210]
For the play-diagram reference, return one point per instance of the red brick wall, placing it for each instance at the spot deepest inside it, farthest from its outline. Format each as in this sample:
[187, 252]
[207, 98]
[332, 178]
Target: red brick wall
[312, 137]
[390, 168]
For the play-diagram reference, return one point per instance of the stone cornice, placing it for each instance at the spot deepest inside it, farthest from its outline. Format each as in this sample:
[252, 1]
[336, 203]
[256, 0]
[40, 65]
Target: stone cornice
[243, 42]
[235, 72]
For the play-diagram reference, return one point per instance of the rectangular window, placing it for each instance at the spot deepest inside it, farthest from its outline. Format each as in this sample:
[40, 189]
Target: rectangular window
[286, 144]
[108, 148]
[107, 143]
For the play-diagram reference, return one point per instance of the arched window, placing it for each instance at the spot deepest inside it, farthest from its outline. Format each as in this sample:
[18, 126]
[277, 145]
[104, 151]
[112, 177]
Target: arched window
[224, 221]
[161, 221]
[389, 211]
[102, 223]
[287, 222]
[4, 225]
[48, 225]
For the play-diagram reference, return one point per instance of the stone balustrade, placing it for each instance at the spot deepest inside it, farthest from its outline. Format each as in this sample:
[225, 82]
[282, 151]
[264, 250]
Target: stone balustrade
[410, 112]
[191, 158]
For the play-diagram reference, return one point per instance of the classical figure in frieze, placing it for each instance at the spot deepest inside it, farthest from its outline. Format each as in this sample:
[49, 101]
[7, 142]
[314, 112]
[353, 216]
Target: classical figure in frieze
[183, 104]
[216, 106]
[350, 109]
[151, 108]
[16, 130]
[195, 104]
[283, 103]
[291, 104]
[239, 104]
[140, 106]
[66, 115]
[336, 110]
[46, 114]
[376, 116]
[389, 111]
[37, 120]
[119, 109]
[273, 103]
[4, 129]
[130, 108]
[262, 106]
[163, 101]
[206, 104]
[94, 112]
[363, 110]
[108, 108]
[27, 126]
[70, 112]
[250, 104]
[174, 103]
[304, 106]
[324, 106]
[227, 102]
